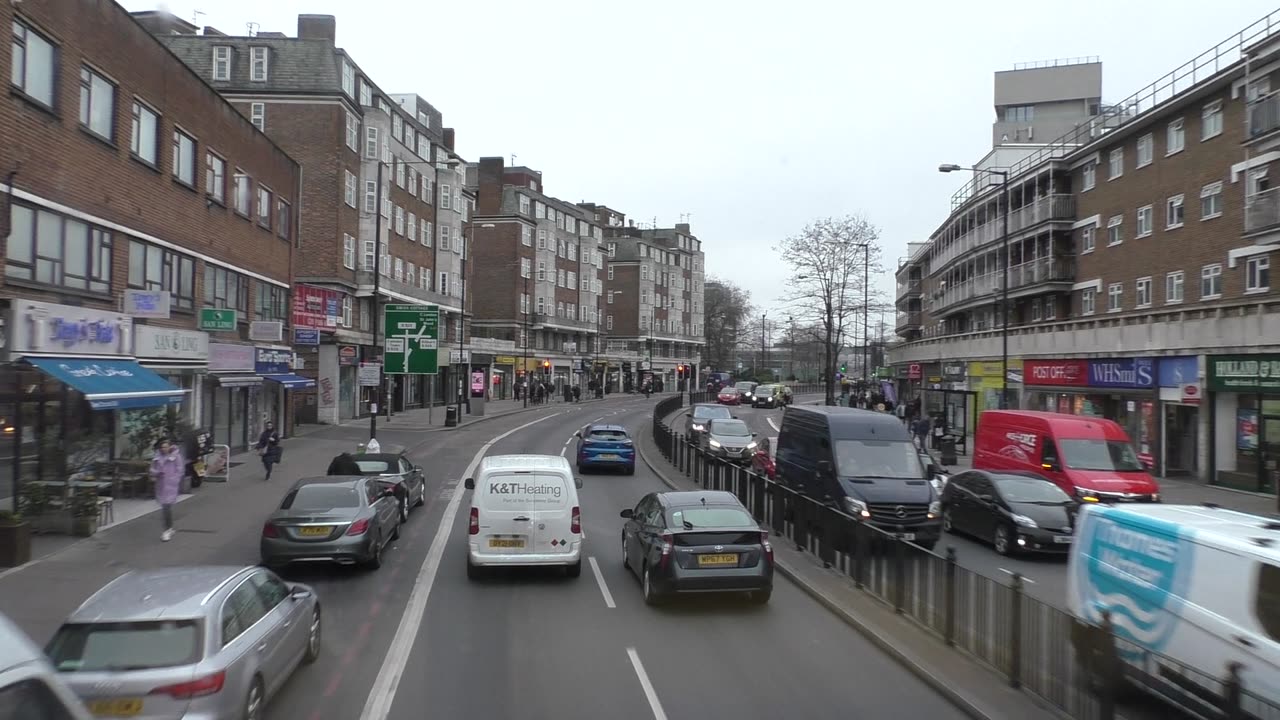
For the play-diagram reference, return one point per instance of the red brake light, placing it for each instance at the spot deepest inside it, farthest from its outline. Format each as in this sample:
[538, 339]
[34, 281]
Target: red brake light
[199, 687]
[269, 530]
[358, 527]
[768, 546]
[474, 528]
[575, 525]
[667, 539]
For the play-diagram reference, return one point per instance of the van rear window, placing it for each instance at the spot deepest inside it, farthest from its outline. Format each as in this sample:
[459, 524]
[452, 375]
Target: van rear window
[517, 490]
[1267, 606]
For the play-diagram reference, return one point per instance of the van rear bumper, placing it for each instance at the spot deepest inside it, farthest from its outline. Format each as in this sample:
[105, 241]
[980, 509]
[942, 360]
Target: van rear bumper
[478, 556]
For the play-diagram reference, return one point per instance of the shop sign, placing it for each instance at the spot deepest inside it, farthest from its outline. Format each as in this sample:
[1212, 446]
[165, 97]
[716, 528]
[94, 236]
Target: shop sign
[316, 307]
[370, 374]
[227, 357]
[1122, 373]
[306, 336]
[218, 319]
[1191, 394]
[1175, 372]
[504, 360]
[267, 361]
[914, 371]
[170, 343]
[68, 330]
[146, 303]
[348, 355]
[953, 371]
[991, 369]
[266, 331]
[1244, 373]
[1068, 373]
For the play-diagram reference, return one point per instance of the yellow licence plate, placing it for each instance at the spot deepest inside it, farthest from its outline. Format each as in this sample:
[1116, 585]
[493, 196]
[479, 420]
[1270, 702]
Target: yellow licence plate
[315, 531]
[120, 707]
[506, 543]
[717, 560]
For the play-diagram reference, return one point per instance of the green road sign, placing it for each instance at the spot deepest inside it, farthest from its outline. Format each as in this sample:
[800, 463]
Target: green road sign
[217, 319]
[411, 339]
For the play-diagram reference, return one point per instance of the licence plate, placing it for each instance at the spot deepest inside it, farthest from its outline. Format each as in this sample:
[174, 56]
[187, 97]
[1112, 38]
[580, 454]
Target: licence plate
[315, 531]
[717, 560]
[1062, 539]
[607, 457]
[121, 707]
[506, 543]
[907, 536]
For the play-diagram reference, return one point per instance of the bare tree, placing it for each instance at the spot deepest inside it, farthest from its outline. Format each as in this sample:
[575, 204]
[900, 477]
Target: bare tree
[726, 311]
[831, 262]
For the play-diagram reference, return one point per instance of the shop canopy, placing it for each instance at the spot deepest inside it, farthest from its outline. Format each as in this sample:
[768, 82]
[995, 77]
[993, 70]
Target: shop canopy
[291, 382]
[115, 384]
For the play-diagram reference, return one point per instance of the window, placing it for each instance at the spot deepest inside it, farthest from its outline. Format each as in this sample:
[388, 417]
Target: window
[97, 104]
[258, 64]
[1211, 120]
[1145, 145]
[1211, 201]
[1175, 212]
[411, 182]
[524, 304]
[610, 272]
[1175, 138]
[264, 207]
[542, 305]
[271, 302]
[284, 219]
[572, 278]
[225, 288]
[1115, 163]
[1088, 301]
[1050, 308]
[145, 139]
[444, 237]
[1144, 221]
[644, 272]
[1115, 230]
[371, 143]
[559, 309]
[366, 93]
[1019, 113]
[54, 250]
[384, 260]
[349, 188]
[526, 236]
[443, 285]
[400, 174]
[410, 273]
[221, 62]
[258, 115]
[32, 69]
[367, 251]
[1259, 181]
[427, 233]
[1143, 294]
[411, 230]
[348, 252]
[542, 239]
[525, 267]
[613, 249]
[215, 177]
[399, 220]
[1089, 176]
[399, 272]
[608, 322]
[240, 611]
[397, 126]
[1173, 287]
[349, 80]
[444, 197]
[542, 271]
[370, 196]
[243, 196]
[1211, 281]
[1257, 274]
[560, 278]
[184, 158]
[426, 190]
[524, 204]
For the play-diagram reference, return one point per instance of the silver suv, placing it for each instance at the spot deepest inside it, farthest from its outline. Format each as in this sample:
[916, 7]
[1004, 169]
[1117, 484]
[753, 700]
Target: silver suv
[700, 415]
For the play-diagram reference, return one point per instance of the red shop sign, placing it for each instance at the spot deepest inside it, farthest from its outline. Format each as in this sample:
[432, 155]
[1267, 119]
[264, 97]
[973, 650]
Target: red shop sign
[914, 372]
[1073, 373]
[316, 307]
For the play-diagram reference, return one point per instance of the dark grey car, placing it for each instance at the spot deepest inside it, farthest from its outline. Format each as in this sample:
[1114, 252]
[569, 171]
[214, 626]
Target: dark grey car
[345, 520]
[393, 470]
[700, 415]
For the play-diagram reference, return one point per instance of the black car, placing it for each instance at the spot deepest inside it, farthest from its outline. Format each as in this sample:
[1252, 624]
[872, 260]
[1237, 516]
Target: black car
[696, 542]
[394, 471]
[767, 396]
[1015, 511]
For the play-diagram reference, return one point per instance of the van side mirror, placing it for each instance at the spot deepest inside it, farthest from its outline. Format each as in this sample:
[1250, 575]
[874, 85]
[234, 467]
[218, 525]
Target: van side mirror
[625, 513]
[578, 434]
[577, 482]
[469, 484]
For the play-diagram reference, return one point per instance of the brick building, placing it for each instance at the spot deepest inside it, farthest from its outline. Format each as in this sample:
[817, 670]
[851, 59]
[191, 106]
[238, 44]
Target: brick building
[135, 199]
[313, 99]
[1139, 273]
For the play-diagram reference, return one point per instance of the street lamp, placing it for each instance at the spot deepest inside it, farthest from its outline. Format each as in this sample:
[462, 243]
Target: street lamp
[1004, 288]
[763, 325]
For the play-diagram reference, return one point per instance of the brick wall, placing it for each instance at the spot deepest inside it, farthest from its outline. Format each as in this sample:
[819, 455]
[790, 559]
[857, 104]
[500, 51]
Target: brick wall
[626, 300]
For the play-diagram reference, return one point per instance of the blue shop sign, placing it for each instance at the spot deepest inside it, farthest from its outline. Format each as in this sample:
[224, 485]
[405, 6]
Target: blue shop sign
[1122, 373]
[306, 336]
[1179, 371]
[272, 362]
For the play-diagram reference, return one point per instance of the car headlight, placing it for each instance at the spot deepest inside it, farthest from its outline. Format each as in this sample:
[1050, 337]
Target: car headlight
[856, 507]
[1155, 497]
[714, 443]
[1024, 521]
[935, 509]
[699, 428]
[751, 444]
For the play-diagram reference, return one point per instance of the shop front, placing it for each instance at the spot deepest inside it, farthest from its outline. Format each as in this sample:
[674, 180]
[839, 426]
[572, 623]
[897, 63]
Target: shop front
[274, 365]
[232, 390]
[180, 357]
[1119, 389]
[983, 380]
[1180, 396]
[1244, 394]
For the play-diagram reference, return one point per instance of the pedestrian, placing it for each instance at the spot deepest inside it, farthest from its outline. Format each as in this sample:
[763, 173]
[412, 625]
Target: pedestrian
[268, 446]
[921, 431]
[901, 409]
[577, 394]
[167, 468]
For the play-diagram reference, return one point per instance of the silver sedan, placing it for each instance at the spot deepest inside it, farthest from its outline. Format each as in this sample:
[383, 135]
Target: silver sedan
[194, 643]
[344, 520]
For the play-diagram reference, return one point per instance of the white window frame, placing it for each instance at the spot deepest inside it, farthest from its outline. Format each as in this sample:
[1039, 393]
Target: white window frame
[427, 231]
[259, 62]
[445, 202]
[349, 79]
[353, 131]
[526, 236]
[1115, 297]
[368, 252]
[221, 63]
[1176, 279]
[349, 188]
[1088, 239]
[1142, 286]
[138, 137]
[1177, 201]
[1115, 230]
[1211, 120]
[371, 143]
[1115, 163]
[1145, 221]
[610, 272]
[1146, 149]
[1211, 273]
[526, 267]
[348, 251]
[258, 115]
[1253, 269]
[1088, 301]
[1089, 176]
[1210, 191]
[370, 196]
[399, 271]
[1175, 137]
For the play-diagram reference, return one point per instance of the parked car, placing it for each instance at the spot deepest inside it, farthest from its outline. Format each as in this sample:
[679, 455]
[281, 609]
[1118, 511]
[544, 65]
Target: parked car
[729, 439]
[606, 446]
[768, 396]
[762, 459]
[340, 519]
[695, 542]
[728, 396]
[1014, 511]
[524, 511]
[746, 390]
[394, 471]
[699, 415]
[28, 682]
[187, 642]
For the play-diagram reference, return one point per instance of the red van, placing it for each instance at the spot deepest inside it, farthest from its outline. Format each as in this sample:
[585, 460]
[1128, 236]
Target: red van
[1089, 458]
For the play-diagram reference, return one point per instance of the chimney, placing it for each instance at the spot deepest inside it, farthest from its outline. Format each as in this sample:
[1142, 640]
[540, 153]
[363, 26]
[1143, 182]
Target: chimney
[159, 22]
[318, 27]
[683, 228]
[210, 30]
[489, 191]
[448, 138]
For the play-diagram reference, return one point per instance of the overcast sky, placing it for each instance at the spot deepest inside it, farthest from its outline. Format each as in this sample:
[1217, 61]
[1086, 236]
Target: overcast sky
[751, 117]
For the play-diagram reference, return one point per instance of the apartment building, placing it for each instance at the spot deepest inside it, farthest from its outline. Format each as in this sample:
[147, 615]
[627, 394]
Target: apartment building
[149, 232]
[653, 298]
[1147, 297]
[539, 262]
[381, 188]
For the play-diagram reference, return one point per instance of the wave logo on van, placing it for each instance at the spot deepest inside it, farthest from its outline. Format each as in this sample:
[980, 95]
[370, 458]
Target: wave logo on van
[1140, 570]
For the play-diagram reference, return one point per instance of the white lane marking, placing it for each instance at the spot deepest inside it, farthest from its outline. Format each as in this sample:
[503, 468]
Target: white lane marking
[649, 692]
[774, 425]
[598, 419]
[1024, 577]
[564, 450]
[378, 706]
[604, 589]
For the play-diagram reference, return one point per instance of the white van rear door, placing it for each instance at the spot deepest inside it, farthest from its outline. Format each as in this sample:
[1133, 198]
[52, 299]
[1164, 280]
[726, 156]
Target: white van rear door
[553, 518]
[515, 504]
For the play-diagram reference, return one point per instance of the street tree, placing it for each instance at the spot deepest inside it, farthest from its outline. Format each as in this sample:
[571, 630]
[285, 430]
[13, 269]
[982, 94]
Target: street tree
[726, 313]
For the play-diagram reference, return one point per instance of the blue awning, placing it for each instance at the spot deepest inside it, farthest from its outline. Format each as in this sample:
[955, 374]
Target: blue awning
[111, 384]
[291, 382]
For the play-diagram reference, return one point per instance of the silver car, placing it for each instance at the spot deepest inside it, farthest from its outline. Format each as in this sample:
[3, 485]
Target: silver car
[345, 520]
[29, 687]
[700, 415]
[730, 439]
[193, 643]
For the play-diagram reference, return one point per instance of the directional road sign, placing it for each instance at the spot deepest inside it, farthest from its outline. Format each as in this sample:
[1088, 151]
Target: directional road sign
[411, 339]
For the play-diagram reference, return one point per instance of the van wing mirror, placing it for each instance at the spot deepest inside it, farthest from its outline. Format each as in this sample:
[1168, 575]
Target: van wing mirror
[469, 484]
[625, 513]
[577, 482]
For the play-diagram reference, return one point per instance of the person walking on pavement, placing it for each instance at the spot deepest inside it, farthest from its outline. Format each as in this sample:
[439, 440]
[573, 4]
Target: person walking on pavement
[921, 430]
[577, 393]
[167, 468]
[268, 446]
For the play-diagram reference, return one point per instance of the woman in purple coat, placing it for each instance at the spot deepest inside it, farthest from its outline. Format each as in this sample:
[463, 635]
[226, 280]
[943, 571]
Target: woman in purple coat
[167, 469]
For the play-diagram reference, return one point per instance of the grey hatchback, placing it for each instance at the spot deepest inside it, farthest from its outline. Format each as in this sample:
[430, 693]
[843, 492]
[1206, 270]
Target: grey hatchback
[187, 643]
[346, 520]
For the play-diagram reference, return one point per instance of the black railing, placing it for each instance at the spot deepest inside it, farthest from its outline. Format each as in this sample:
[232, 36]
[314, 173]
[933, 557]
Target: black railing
[1076, 667]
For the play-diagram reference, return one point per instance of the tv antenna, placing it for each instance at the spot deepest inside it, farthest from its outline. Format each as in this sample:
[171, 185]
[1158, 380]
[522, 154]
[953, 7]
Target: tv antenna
[684, 217]
[253, 28]
[513, 159]
[195, 17]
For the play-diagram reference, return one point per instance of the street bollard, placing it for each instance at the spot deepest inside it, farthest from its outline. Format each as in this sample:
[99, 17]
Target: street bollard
[899, 574]
[1015, 636]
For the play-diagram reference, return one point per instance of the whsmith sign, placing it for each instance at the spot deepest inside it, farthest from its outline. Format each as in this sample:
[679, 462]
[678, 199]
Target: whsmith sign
[1243, 373]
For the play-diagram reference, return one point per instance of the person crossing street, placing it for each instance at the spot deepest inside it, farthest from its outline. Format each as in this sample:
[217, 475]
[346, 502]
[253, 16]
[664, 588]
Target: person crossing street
[268, 446]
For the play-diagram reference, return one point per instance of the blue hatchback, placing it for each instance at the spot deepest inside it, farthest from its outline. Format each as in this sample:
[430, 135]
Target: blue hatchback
[606, 446]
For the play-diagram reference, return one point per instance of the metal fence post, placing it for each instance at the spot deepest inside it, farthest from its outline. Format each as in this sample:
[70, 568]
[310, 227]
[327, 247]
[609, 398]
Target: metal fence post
[826, 547]
[1232, 693]
[1015, 635]
[949, 594]
[860, 554]
[899, 574]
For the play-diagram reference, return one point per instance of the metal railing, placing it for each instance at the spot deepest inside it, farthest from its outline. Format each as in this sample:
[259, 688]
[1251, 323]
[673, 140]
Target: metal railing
[1262, 210]
[1058, 62]
[907, 318]
[908, 287]
[988, 285]
[1079, 668]
[1059, 206]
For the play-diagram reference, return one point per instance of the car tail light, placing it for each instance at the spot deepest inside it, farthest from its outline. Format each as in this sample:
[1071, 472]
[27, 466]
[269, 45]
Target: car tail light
[358, 527]
[207, 685]
[666, 549]
[270, 531]
[768, 546]
[575, 524]
[474, 527]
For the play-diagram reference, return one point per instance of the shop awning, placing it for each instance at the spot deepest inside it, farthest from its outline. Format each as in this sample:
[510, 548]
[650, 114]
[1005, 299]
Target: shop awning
[237, 380]
[115, 384]
[291, 382]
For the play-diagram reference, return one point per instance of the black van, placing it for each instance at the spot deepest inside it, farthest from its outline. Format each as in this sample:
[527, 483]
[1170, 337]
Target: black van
[864, 463]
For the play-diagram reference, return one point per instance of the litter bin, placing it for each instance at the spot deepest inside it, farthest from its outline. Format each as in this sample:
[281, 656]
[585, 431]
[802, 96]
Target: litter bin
[947, 448]
[451, 416]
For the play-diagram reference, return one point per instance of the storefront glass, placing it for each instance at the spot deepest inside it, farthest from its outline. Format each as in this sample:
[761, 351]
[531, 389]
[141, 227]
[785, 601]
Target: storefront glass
[1245, 392]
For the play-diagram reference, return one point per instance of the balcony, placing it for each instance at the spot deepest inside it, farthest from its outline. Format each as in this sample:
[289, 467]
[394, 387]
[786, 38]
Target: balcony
[1264, 116]
[1060, 206]
[1045, 270]
[907, 320]
[908, 289]
[1262, 211]
[364, 279]
[985, 288]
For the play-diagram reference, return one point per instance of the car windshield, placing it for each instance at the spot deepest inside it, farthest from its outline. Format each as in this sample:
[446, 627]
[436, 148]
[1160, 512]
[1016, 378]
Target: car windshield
[709, 517]
[321, 497]
[745, 385]
[613, 435]
[707, 412]
[122, 646]
[1030, 490]
[373, 467]
[1113, 455]
[764, 389]
[732, 428]
[878, 459]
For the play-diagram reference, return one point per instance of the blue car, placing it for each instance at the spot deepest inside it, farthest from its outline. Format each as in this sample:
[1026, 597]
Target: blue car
[606, 446]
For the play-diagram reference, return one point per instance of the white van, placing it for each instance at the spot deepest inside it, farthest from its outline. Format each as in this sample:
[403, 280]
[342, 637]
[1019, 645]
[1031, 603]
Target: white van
[524, 511]
[29, 687]
[1186, 585]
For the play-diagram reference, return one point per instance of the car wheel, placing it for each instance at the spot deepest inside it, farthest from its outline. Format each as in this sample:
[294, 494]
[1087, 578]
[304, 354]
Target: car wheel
[474, 572]
[255, 701]
[395, 532]
[375, 555]
[651, 596]
[574, 570]
[404, 509]
[422, 495]
[1003, 542]
[582, 469]
[947, 525]
[760, 597]
[313, 638]
[626, 562]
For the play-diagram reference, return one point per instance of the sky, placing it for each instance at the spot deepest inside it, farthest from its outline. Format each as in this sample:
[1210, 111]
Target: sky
[746, 119]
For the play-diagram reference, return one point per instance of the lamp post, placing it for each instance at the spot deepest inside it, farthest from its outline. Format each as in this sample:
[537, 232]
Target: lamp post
[763, 325]
[1004, 286]
[377, 290]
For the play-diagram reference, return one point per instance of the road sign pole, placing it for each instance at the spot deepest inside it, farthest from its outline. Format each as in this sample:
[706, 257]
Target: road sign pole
[377, 289]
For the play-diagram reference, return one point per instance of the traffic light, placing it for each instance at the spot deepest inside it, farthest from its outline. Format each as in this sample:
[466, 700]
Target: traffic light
[546, 366]
[842, 368]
